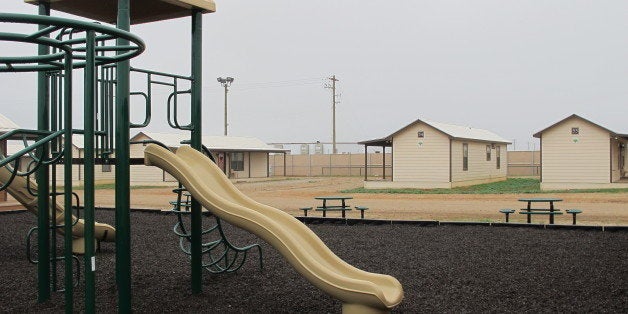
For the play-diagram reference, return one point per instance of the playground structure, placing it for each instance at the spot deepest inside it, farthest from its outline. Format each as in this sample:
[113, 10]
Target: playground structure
[103, 54]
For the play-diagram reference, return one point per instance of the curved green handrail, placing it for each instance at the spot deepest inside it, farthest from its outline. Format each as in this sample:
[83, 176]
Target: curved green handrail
[75, 44]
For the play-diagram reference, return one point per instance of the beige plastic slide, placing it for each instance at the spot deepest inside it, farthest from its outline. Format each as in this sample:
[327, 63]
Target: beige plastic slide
[359, 291]
[19, 191]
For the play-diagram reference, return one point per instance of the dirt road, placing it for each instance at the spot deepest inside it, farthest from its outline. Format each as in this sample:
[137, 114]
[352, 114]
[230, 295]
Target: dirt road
[290, 194]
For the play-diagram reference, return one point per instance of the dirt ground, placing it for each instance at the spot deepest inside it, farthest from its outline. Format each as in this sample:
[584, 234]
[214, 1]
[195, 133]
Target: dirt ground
[292, 193]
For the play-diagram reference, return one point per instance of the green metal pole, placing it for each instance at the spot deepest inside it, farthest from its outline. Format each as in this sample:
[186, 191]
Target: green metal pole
[89, 84]
[123, 202]
[67, 183]
[42, 178]
[197, 70]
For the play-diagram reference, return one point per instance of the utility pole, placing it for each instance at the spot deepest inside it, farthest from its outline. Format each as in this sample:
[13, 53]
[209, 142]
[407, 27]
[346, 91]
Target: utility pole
[225, 82]
[333, 80]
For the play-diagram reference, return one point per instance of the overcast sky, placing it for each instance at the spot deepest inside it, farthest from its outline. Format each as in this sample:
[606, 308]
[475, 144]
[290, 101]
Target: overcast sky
[512, 67]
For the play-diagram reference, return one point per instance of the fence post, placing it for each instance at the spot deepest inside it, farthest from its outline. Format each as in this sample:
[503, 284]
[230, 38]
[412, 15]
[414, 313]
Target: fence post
[330, 156]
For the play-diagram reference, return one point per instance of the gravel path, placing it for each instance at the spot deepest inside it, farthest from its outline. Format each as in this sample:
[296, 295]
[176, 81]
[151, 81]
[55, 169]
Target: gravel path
[442, 269]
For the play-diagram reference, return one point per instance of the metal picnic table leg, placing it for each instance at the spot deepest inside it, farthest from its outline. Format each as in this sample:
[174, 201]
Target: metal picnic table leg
[324, 207]
[551, 218]
[343, 208]
[529, 209]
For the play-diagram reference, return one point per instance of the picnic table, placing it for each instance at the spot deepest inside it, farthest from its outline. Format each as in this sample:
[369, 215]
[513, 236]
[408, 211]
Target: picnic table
[551, 211]
[342, 207]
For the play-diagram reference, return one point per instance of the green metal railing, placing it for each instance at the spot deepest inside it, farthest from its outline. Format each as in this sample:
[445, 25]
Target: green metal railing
[67, 41]
[64, 45]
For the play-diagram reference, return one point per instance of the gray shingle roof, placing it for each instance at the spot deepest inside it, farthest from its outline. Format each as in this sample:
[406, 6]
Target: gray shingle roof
[451, 130]
[212, 142]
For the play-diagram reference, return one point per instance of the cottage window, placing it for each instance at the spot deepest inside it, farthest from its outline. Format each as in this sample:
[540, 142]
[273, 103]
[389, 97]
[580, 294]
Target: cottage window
[237, 161]
[575, 131]
[421, 134]
[498, 156]
[465, 156]
[488, 152]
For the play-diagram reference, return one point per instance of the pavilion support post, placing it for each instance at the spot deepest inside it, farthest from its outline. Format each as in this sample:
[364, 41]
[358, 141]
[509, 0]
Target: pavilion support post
[43, 179]
[122, 151]
[392, 161]
[366, 165]
[384, 162]
[196, 219]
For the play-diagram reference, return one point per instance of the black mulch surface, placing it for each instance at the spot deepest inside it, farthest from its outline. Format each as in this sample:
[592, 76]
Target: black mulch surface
[442, 269]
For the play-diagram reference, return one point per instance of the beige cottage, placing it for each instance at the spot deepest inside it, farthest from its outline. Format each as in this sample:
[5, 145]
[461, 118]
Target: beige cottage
[428, 155]
[239, 157]
[579, 154]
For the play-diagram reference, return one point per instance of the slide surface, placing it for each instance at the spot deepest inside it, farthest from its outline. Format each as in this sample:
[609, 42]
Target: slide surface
[19, 191]
[359, 291]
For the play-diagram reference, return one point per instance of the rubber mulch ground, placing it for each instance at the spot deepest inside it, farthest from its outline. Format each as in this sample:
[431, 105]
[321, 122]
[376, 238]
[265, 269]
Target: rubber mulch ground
[442, 269]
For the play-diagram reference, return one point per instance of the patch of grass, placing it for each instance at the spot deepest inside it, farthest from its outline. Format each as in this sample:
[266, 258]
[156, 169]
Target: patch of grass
[510, 186]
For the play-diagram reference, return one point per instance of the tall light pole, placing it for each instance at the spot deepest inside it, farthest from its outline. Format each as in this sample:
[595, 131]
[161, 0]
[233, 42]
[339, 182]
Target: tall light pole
[225, 82]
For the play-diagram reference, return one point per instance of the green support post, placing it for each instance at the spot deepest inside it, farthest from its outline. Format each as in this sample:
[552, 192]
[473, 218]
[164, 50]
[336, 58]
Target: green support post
[42, 178]
[67, 182]
[197, 132]
[89, 85]
[122, 199]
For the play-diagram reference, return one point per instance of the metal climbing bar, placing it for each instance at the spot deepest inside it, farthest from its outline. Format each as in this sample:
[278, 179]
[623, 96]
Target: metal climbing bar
[219, 255]
[172, 108]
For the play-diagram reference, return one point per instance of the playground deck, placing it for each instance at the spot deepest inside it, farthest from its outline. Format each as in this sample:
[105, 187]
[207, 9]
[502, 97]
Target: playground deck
[443, 269]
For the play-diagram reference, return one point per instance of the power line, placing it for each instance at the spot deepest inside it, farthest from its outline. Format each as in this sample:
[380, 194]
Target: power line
[278, 86]
[243, 87]
[284, 81]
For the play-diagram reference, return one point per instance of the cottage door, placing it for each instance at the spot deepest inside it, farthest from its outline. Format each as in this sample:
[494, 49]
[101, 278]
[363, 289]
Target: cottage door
[221, 161]
[622, 159]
